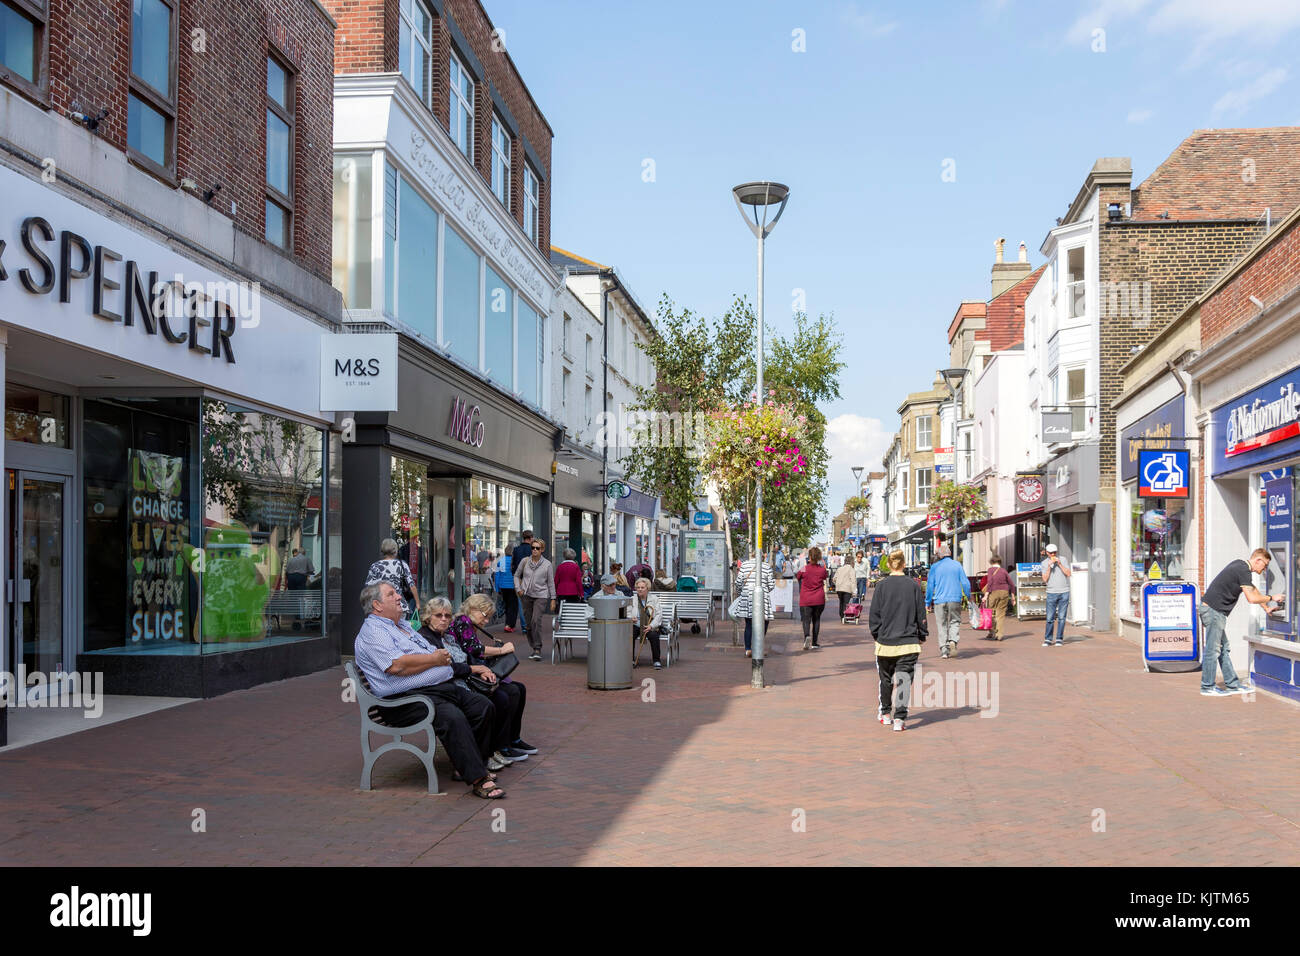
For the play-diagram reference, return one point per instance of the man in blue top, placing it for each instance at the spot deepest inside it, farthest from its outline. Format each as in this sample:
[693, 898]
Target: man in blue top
[522, 552]
[945, 588]
[503, 579]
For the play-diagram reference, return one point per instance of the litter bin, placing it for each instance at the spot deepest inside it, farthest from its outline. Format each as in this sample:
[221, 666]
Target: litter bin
[609, 657]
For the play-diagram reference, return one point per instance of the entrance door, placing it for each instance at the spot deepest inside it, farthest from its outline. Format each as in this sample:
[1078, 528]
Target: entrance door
[34, 590]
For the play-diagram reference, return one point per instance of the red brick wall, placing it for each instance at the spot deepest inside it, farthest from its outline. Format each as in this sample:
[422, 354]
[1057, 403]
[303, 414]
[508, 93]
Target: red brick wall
[367, 42]
[221, 100]
[1272, 274]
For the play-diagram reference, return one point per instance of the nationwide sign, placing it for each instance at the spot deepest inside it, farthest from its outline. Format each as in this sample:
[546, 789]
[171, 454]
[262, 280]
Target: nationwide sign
[1164, 474]
[1259, 426]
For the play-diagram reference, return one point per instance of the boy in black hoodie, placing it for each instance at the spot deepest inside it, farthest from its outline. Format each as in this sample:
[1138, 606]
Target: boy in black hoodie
[898, 626]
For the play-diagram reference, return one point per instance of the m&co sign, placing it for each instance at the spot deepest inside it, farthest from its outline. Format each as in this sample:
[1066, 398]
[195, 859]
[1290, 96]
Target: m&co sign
[464, 424]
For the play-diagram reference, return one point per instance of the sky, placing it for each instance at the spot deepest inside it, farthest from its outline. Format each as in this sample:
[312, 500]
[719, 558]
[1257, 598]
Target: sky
[911, 135]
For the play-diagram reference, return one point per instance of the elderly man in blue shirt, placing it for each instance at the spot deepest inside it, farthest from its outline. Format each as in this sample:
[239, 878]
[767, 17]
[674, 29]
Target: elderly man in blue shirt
[397, 661]
[945, 588]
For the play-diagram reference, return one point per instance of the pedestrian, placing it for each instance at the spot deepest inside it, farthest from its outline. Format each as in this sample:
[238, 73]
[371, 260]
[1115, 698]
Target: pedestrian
[394, 571]
[898, 626]
[646, 618]
[620, 581]
[568, 578]
[779, 562]
[998, 588]
[845, 582]
[521, 553]
[860, 572]
[504, 580]
[1057, 575]
[535, 582]
[946, 587]
[744, 605]
[1217, 603]
[812, 598]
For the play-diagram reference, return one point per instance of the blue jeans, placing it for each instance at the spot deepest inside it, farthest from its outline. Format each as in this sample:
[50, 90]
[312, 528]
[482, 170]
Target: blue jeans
[1057, 607]
[862, 588]
[1215, 649]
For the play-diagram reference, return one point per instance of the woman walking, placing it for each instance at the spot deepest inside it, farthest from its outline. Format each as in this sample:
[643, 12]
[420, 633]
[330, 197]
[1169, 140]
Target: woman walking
[568, 578]
[745, 601]
[999, 587]
[898, 626]
[393, 570]
[846, 583]
[812, 598]
[861, 570]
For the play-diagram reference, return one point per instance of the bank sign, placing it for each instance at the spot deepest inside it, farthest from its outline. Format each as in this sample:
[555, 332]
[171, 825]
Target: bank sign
[1260, 426]
[1164, 474]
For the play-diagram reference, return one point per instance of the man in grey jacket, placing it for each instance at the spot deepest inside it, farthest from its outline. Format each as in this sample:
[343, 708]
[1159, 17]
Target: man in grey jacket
[535, 584]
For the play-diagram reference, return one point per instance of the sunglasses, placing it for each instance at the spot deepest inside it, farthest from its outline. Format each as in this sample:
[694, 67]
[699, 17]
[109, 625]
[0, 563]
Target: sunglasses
[443, 614]
[537, 549]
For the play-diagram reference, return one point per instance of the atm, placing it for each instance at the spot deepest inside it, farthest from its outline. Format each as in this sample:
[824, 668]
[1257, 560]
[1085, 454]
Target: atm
[1280, 532]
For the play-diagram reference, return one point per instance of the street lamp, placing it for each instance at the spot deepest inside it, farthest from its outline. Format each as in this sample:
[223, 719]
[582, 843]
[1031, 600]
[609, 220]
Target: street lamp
[953, 378]
[857, 491]
[760, 197]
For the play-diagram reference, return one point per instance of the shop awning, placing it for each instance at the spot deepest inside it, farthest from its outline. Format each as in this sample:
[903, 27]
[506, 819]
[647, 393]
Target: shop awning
[1004, 520]
[918, 532]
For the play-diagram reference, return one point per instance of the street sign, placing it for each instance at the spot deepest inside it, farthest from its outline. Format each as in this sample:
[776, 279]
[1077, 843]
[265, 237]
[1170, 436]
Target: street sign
[702, 519]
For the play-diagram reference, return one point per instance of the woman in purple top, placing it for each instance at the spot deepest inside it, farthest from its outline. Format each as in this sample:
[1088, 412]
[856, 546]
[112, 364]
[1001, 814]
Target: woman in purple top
[812, 597]
[998, 587]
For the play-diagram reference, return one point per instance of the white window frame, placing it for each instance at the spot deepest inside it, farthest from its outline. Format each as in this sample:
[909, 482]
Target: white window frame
[457, 73]
[500, 161]
[902, 480]
[929, 430]
[1081, 402]
[532, 203]
[924, 490]
[407, 28]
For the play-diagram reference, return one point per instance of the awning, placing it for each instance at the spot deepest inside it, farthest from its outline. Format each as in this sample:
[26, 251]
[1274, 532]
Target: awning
[918, 532]
[1005, 520]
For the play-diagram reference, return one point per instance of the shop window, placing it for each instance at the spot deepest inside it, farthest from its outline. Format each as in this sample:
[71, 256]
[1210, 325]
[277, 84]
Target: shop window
[499, 331]
[406, 498]
[530, 354]
[24, 45]
[1156, 543]
[390, 240]
[264, 529]
[36, 417]
[417, 257]
[351, 264]
[460, 298]
[151, 100]
[143, 514]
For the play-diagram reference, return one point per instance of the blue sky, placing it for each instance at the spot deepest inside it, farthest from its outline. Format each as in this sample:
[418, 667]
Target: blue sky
[1020, 97]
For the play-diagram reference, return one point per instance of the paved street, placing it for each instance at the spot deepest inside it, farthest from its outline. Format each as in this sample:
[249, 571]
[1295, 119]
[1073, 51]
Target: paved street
[710, 772]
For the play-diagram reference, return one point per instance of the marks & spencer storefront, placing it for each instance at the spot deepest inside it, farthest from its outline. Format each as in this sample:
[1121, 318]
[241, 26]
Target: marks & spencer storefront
[168, 476]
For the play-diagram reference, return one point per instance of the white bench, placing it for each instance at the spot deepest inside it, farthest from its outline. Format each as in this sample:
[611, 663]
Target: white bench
[695, 607]
[669, 629]
[570, 625]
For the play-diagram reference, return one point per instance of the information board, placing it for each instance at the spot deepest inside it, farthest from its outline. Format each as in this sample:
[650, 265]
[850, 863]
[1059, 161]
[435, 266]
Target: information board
[1170, 634]
[704, 557]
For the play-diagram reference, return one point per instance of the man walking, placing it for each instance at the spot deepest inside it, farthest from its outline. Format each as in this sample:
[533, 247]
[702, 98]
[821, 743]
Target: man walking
[504, 579]
[535, 582]
[522, 551]
[1057, 575]
[945, 588]
[1216, 604]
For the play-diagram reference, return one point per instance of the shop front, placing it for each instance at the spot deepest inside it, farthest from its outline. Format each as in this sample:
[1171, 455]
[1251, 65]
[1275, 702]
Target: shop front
[633, 526]
[454, 476]
[1158, 525]
[1254, 464]
[1079, 524]
[579, 503]
[171, 484]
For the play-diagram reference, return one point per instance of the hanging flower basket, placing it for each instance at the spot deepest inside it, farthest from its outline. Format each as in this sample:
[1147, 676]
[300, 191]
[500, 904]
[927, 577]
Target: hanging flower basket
[758, 442]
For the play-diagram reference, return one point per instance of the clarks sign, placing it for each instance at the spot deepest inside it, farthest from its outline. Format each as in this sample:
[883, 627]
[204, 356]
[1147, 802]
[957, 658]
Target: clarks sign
[464, 423]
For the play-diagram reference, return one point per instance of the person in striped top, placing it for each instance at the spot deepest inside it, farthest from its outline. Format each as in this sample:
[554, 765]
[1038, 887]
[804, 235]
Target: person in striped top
[745, 602]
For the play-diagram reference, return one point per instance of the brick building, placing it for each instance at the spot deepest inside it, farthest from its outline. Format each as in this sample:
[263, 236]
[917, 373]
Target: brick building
[442, 173]
[1122, 263]
[910, 463]
[167, 167]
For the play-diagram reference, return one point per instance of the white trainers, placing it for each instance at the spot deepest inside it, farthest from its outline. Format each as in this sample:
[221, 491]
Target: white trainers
[883, 717]
[898, 724]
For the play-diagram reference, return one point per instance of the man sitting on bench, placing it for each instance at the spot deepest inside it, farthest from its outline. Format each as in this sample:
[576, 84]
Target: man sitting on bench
[397, 661]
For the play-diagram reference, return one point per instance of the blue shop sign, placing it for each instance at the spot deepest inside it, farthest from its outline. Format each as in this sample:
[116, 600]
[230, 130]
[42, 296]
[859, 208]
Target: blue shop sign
[1260, 426]
[1153, 432]
[702, 519]
[1164, 474]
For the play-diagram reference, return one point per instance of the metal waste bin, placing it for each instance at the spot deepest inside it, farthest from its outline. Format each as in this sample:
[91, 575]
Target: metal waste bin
[609, 656]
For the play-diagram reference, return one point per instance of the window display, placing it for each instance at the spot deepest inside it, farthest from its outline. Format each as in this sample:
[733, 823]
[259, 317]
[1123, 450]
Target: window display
[1156, 543]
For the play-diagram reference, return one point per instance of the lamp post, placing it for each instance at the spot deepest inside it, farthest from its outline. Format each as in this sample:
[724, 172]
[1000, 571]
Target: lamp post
[759, 197]
[857, 492]
[951, 375]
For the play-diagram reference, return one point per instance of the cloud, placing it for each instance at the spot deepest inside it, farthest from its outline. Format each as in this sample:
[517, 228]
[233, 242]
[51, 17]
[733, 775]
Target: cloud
[1101, 16]
[866, 23]
[1260, 20]
[852, 441]
[1139, 116]
[1238, 100]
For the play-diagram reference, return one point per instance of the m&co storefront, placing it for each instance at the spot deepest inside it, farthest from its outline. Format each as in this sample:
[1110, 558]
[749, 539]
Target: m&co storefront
[454, 476]
[169, 478]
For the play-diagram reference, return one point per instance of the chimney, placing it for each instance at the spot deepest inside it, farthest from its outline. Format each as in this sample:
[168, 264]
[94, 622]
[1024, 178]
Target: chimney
[1007, 274]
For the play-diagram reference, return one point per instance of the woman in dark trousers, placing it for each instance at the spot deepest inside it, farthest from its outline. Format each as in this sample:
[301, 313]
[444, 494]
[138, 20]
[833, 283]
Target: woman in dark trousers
[898, 627]
[812, 597]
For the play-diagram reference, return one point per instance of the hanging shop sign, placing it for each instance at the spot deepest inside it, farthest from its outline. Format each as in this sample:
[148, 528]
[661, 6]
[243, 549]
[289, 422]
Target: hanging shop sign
[358, 373]
[1259, 426]
[702, 519]
[1164, 474]
[1029, 489]
[1153, 432]
[616, 490]
[1057, 427]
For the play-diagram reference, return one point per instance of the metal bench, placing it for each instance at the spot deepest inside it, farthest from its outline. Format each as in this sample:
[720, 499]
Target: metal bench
[570, 625]
[695, 607]
[372, 720]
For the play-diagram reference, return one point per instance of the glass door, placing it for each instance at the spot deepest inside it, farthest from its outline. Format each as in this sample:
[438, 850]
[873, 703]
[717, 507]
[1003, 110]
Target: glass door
[35, 588]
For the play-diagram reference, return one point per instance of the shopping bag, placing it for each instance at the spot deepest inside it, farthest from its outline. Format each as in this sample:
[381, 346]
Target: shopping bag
[986, 619]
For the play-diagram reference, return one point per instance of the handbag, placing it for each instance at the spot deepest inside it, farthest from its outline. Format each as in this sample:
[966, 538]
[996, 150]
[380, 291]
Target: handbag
[503, 666]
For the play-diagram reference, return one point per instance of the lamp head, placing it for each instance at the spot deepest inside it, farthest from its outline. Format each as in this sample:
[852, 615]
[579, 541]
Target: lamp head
[952, 377]
[751, 198]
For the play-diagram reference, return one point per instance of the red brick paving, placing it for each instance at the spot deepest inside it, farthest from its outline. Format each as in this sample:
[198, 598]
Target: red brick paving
[711, 772]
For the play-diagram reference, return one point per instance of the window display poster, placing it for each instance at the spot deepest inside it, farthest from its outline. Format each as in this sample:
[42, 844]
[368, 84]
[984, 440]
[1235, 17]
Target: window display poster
[1169, 626]
[704, 557]
[158, 525]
